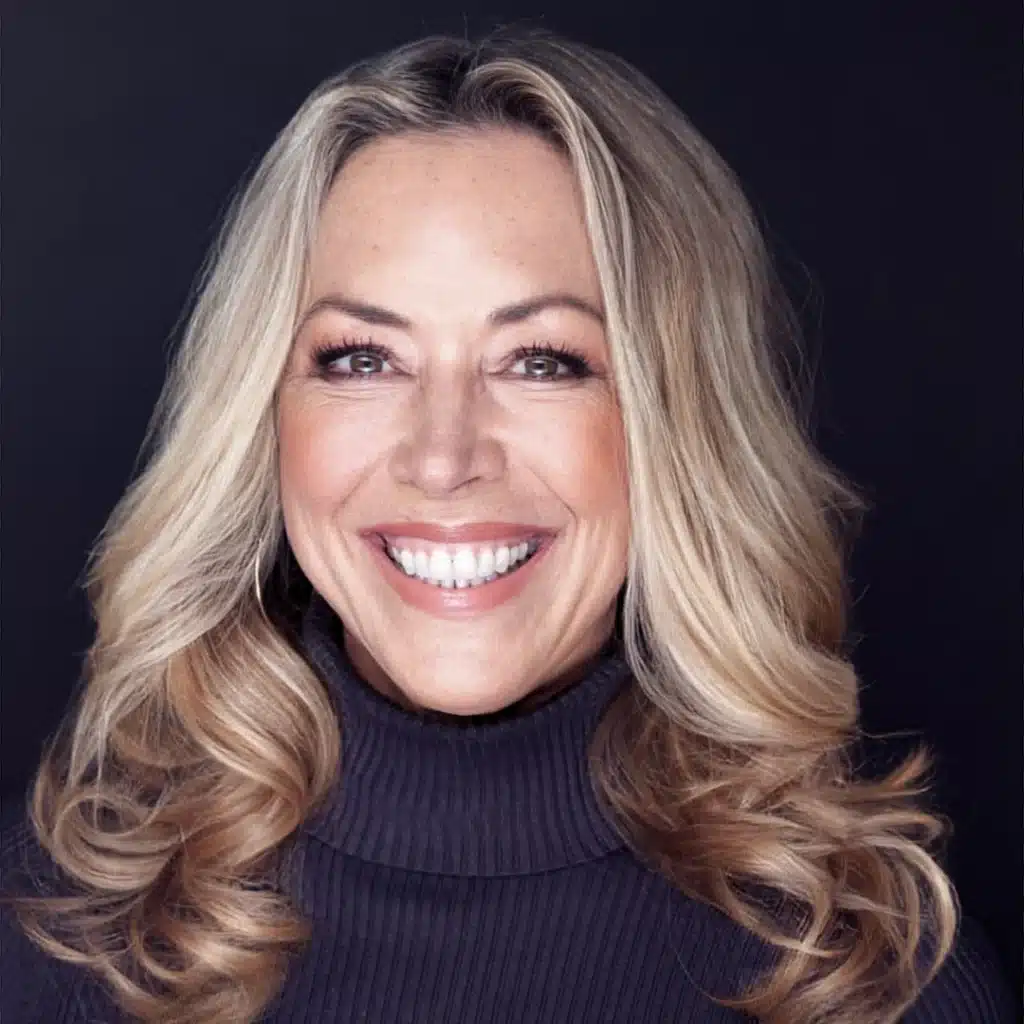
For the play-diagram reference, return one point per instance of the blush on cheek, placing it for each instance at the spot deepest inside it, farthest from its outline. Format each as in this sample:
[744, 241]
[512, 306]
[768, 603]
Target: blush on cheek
[323, 451]
[600, 458]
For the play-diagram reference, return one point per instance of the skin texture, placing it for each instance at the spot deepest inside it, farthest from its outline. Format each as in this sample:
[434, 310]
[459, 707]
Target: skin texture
[451, 428]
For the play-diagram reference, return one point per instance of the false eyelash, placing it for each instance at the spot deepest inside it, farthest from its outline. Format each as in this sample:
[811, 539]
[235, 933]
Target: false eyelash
[574, 359]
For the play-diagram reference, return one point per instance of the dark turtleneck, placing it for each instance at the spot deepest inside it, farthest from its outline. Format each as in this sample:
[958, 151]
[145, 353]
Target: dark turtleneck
[465, 871]
[485, 796]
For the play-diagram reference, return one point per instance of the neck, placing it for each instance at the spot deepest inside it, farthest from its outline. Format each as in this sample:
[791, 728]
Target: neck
[505, 793]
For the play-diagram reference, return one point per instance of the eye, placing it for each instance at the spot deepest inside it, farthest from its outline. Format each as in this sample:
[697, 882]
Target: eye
[541, 367]
[364, 359]
[543, 361]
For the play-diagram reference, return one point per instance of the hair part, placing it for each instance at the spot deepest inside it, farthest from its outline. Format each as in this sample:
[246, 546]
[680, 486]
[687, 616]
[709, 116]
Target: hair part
[203, 738]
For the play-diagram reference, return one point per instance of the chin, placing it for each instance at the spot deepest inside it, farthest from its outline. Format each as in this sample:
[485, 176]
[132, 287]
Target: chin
[470, 701]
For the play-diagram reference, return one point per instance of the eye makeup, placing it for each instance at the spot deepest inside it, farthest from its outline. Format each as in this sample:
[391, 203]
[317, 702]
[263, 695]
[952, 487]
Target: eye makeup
[575, 362]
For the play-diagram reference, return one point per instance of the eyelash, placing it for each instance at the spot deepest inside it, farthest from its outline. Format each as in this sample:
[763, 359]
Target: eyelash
[577, 363]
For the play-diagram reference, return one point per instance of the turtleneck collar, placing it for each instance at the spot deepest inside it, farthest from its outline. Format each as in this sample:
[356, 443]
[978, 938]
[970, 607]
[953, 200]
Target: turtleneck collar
[504, 796]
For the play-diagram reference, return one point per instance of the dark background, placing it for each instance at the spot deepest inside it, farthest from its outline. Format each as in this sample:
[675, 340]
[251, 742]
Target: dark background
[881, 147]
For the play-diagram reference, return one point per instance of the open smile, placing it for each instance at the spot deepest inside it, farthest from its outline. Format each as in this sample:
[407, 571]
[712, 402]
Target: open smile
[459, 580]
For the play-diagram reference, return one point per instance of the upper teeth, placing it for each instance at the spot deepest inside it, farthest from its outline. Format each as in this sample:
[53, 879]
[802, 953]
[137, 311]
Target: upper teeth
[458, 565]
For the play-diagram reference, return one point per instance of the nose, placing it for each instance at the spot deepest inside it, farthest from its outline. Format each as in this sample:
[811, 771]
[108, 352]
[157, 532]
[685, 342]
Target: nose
[447, 443]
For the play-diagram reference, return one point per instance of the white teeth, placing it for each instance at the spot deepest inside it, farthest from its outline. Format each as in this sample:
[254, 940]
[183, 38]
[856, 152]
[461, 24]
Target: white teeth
[485, 562]
[464, 565]
[460, 566]
[422, 564]
[441, 566]
[501, 559]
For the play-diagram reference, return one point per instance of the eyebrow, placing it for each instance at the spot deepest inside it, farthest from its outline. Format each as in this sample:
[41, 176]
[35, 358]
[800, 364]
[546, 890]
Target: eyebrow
[504, 315]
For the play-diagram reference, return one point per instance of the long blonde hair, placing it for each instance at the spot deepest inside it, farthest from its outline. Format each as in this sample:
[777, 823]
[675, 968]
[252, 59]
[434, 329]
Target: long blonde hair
[203, 738]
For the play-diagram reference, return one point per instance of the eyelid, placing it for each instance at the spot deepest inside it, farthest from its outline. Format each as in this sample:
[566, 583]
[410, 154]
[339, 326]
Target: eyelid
[579, 366]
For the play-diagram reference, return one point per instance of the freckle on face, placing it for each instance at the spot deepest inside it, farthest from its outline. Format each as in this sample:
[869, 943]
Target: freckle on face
[443, 230]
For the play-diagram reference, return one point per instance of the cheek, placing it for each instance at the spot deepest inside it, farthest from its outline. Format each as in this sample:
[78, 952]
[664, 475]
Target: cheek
[321, 453]
[585, 463]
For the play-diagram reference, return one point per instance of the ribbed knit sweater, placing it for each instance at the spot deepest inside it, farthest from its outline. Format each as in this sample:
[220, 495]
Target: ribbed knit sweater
[465, 872]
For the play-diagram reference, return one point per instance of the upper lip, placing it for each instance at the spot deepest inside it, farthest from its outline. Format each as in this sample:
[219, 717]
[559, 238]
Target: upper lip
[464, 533]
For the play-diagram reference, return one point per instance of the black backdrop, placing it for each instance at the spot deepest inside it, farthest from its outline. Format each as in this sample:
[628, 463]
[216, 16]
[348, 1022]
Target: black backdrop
[880, 145]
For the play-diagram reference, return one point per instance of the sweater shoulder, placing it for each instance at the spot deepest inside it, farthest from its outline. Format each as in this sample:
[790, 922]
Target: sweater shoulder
[718, 955]
[969, 986]
[30, 982]
[35, 987]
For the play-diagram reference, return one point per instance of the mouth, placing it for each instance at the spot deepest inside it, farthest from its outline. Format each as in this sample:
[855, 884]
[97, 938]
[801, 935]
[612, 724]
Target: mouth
[459, 566]
[454, 581]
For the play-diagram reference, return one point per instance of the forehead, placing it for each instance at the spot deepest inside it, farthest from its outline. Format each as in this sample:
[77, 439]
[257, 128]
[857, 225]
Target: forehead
[499, 209]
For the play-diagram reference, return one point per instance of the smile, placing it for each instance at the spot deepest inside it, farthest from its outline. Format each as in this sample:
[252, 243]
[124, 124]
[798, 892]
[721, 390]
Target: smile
[460, 565]
[456, 580]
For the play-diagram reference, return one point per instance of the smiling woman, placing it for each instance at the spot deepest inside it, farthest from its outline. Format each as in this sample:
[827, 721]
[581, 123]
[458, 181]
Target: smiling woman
[476, 412]
[472, 646]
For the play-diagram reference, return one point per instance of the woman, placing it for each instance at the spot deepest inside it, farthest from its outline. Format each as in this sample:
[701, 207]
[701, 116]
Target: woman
[471, 647]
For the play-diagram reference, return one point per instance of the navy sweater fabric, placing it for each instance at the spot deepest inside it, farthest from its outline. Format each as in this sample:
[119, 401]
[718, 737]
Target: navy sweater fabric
[464, 871]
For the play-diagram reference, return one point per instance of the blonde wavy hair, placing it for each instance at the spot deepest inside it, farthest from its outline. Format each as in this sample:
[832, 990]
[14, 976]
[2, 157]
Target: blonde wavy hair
[202, 738]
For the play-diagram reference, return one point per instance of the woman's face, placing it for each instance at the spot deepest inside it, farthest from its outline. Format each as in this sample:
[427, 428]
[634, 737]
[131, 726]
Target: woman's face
[498, 475]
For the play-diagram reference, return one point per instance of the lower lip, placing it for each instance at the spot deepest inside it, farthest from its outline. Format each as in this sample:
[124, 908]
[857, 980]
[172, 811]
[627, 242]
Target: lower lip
[455, 602]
